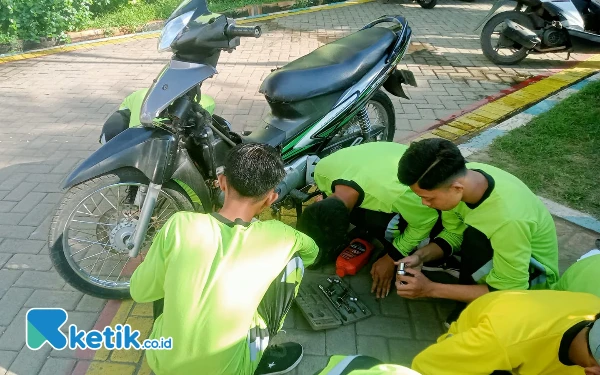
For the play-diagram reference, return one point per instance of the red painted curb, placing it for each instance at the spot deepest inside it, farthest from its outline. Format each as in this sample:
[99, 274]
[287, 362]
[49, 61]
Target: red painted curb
[487, 100]
[106, 316]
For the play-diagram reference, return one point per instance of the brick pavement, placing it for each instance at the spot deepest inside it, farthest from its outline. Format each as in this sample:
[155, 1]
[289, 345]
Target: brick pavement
[53, 108]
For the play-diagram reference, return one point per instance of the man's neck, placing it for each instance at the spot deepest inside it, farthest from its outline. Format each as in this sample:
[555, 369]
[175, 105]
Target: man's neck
[244, 209]
[347, 195]
[578, 351]
[475, 185]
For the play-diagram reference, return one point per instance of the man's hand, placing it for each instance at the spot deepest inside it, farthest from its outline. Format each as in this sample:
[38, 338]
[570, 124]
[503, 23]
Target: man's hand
[383, 274]
[415, 286]
[412, 261]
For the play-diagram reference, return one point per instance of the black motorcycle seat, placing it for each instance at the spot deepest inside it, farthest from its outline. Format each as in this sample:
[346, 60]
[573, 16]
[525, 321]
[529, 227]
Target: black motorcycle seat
[333, 67]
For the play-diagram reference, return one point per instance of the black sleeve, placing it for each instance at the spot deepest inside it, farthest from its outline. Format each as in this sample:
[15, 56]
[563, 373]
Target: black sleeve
[446, 247]
[353, 185]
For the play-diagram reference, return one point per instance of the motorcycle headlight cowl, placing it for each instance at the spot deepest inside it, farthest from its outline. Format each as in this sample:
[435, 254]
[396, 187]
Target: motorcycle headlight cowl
[172, 30]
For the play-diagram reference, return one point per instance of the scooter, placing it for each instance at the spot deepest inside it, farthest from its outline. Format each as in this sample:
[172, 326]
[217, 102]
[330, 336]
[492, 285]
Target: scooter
[124, 192]
[538, 26]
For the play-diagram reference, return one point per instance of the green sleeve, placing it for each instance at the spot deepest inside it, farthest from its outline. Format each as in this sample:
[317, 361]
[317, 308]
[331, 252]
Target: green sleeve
[453, 229]
[148, 280]
[420, 219]
[306, 247]
[512, 255]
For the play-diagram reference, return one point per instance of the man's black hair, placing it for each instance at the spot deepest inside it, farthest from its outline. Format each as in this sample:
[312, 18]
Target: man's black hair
[252, 169]
[326, 222]
[432, 163]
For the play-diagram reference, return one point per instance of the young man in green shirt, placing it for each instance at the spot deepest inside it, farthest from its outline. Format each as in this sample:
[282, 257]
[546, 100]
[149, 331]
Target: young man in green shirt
[506, 236]
[220, 275]
[128, 114]
[583, 276]
[361, 187]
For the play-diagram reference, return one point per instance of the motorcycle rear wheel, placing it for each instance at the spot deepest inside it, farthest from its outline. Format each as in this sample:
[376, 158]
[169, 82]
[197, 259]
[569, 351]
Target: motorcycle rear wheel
[90, 229]
[492, 52]
[381, 115]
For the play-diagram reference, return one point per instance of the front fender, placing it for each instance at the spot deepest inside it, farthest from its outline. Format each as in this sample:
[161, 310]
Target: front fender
[187, 173]
[150, 150]
[497, 5]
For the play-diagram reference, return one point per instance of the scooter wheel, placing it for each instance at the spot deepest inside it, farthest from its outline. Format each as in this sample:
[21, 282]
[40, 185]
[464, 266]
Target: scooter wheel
[492, 52]
[427, 4]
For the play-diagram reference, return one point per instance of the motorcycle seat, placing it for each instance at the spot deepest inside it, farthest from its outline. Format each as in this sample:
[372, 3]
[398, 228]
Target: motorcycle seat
[333, 67]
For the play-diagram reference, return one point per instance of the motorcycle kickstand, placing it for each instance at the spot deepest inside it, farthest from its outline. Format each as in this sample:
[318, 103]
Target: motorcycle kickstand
[134, 243]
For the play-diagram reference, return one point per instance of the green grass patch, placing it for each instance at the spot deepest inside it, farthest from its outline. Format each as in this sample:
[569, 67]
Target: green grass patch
[133, 16]
[558, 153]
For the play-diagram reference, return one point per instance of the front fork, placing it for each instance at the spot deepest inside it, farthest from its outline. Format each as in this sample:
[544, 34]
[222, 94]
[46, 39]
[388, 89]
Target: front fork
[135, 242]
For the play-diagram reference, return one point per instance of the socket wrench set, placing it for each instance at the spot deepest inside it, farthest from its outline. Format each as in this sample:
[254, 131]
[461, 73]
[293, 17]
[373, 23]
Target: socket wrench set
[328, 302]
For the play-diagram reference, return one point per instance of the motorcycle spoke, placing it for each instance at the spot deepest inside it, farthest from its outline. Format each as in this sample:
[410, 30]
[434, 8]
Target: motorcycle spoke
[91, 222]
[88, 241]
[160, 214]
[95, 204]
[115, 267]
[85, 248]
[109, 202]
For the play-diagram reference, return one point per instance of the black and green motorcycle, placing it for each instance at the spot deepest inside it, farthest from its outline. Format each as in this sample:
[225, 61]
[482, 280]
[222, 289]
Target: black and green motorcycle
[123, 193]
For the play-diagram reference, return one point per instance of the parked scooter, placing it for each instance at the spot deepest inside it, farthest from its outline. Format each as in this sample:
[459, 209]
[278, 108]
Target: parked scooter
[123, 193]
[538, 26]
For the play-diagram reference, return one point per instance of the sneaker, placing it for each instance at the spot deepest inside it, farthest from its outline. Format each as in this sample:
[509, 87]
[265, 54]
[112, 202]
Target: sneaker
[451, 266]
[454, 314]
[280, 359]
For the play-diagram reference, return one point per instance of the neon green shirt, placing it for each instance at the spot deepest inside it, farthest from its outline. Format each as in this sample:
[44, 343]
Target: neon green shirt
[134, 102]
[519, 226]
[583, 277]
[212, 274]
[372, 170]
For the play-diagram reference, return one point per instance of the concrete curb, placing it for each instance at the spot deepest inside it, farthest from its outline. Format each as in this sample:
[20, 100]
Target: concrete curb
[152, 34]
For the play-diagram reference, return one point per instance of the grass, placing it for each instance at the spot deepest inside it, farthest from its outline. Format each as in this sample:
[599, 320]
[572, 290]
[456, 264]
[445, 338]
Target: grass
[133, 16]
[558, 153]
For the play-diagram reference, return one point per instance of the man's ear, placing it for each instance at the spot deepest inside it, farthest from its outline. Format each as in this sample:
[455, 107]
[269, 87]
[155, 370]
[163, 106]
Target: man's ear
[271, 198]
[222, 182]
[457, 187]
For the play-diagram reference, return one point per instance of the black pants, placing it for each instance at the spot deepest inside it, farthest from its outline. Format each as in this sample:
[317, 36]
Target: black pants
[375, 224]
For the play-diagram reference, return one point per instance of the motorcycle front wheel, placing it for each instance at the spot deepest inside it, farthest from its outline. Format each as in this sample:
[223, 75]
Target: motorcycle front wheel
[499, 49]
[89, 232]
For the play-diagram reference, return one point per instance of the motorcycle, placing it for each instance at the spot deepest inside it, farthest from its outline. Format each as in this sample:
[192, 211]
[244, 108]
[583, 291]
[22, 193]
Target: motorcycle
[538, 26]
[120, 196]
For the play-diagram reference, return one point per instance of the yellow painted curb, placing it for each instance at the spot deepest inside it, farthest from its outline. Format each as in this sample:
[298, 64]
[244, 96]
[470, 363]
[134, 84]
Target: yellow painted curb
[59, 49]
[493, 112]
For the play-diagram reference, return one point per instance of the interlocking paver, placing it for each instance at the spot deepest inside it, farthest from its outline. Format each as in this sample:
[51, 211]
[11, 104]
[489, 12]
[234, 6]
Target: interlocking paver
[13, 337]
[373, 346]
[29, 361]
[50, 298]
[6, 359]
[90, 304]
[58, 366]
[34, 262]
[7, 279]
[341, 341]
[29, 202]
[21, 246]
[11, 303]
[40, 280]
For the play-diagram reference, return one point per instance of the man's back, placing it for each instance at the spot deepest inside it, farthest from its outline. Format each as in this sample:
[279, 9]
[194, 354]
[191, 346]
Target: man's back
[373, 167]
[212, 275]
[509, 330]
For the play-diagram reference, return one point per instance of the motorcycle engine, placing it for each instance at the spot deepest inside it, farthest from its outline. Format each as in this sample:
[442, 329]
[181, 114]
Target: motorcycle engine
[554, 37]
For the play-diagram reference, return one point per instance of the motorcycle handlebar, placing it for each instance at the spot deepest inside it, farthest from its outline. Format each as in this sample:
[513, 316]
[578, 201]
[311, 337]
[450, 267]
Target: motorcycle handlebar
[243, 31]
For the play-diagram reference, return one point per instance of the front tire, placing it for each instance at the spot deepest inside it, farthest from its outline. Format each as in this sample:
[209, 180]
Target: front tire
[491, 48]
[89, 231]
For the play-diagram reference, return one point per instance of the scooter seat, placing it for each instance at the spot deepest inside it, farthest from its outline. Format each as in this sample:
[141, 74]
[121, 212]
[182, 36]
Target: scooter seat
[333, 67]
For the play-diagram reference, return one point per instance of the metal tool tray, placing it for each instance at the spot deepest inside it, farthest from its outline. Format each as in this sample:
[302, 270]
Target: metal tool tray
[320, 310]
